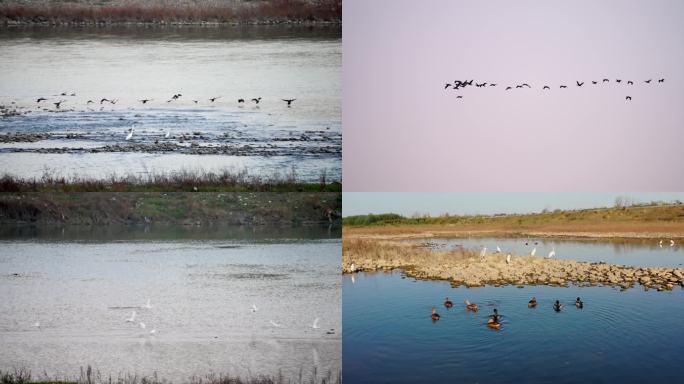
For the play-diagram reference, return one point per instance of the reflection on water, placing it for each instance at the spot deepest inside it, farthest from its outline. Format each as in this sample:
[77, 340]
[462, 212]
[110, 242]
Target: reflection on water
[632, 252]
[619, 337]
[65, 305]
[132, 64]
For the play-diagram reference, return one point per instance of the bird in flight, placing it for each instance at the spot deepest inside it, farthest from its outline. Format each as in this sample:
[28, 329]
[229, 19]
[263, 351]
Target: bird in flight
[507, 88]
[526, 85]
[103, 100]
[257, 100]
[630, 82]
[518, 86]
[241, 100]
[605, 80]
[447, 85]
[40, 99]
[628, 98]
[563, 86]
[594, 82]
[492, 85]
[618, 80]
[144, 101]
[546, 87]
[289, 101]
[579, 84]
[57, 104]
[459, 97]
[661, 80]
[214, 98]
[89, 102]
[648, 81]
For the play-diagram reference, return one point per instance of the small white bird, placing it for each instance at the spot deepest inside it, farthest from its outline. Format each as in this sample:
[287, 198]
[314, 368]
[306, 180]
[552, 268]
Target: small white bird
[148, 305]
[168, 133]
[508, 258]
[315, 323]
[498, 250]
[671, 243]
[254, 308]
[153, 332]
[552, 253]
[36, 324]
[142, 325]
[352, 268]
[534, 250]
[130, 134]
[132, 318]
[273, 323]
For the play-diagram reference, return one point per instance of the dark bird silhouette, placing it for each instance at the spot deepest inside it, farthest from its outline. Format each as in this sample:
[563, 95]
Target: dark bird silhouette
[289, 101]
[459, 97]
[195, 101]
[103, 100]
[144, 101]
[447, 85]
[73, 94]
[113, 101]
[63, 94]
[628, 98]
[578, 83]
[57, 104]
[214, 98]
[605, 80]
[648, 81]
[563, 86]
[546, 87]
[40, 99]
[661, 80]
[89, 102]
[526, 85]
[176, 96]
[507, 88]
[618, 80]
[593, 82]
[492, 85]
[257, 100]
[241, 100]
[630, 82]
[518, 86]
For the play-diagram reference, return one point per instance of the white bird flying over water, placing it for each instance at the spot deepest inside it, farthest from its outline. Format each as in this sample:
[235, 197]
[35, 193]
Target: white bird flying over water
[153, 332]
[142, 325]
[132, 318]
[148, 305]
[552, 253]
[254, 308]
[315, 323]
[508, 258]
[273, 323]
[534, 250]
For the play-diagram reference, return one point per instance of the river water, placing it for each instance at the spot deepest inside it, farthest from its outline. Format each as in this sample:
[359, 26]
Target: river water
[65, 304]
[190, 133]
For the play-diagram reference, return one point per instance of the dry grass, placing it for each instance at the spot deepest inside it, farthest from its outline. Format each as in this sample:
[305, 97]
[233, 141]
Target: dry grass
[154, 12]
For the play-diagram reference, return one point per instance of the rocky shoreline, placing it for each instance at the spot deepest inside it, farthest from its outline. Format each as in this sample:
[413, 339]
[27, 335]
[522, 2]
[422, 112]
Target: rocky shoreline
[464, 267]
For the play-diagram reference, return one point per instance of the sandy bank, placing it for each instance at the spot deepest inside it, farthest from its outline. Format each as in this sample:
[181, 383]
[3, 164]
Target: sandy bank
[464, 267]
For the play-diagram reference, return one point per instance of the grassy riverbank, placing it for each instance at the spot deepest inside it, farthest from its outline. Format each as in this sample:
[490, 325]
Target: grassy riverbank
[651, 220]
[183, 181]
[258, 208]
[81, 12]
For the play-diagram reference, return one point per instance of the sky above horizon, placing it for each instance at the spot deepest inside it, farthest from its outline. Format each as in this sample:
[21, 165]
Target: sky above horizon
[404, 132]
[468, 203]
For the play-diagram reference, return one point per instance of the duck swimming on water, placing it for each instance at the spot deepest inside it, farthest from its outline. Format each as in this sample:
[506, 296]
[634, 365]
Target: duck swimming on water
[557, 306]
[448, 303]
[470, 306]
[435, 315]
[532, 303]
[579, 304]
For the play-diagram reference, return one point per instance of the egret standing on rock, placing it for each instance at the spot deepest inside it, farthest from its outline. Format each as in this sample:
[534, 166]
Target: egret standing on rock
[534, 250]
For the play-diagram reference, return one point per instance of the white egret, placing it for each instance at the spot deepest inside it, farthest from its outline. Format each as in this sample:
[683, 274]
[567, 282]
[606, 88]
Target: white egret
[352, 268]
[153, 332]
[132, 318]
[534, 250]
[142, 325]
[552, 253]
[130, 134]
[168, 133]
[315, 323]
[498, 250]
[671, 243]
[148, 305]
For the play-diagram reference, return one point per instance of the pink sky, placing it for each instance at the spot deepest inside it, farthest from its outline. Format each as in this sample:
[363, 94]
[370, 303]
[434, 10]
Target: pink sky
[403, 132]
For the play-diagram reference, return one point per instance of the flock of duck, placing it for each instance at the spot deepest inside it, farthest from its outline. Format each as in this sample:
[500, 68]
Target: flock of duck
[494, 320]
[458, 84]
[177, 96]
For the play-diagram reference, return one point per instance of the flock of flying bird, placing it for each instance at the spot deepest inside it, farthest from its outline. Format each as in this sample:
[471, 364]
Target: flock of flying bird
[458, 84]
[153, 332]
[175, 97]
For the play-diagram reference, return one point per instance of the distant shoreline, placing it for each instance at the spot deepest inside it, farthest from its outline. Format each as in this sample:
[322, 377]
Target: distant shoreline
[26, 13]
